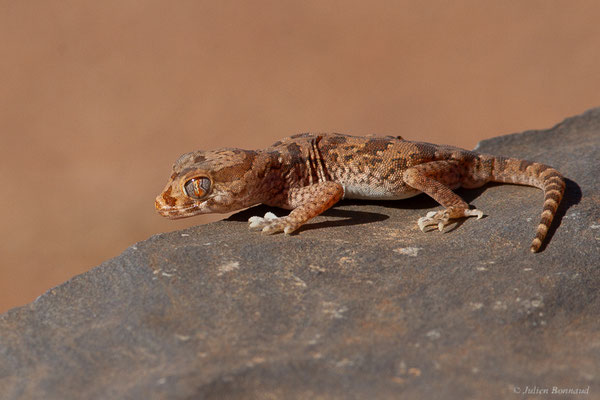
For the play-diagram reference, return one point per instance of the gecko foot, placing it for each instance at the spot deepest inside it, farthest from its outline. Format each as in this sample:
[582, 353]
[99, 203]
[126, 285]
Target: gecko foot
[442, 218]
[271, 223]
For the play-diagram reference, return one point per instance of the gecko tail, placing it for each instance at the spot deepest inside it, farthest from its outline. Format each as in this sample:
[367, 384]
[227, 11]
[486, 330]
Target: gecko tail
[522, 172]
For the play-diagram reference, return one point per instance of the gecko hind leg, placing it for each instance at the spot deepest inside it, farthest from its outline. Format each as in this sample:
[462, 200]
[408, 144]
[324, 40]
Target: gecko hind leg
[436, 178]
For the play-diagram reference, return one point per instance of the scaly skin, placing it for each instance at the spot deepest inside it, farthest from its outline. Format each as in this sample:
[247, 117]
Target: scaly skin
[309, 173]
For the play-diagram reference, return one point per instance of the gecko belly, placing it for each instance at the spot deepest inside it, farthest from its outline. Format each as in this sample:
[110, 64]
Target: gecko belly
[368, 192]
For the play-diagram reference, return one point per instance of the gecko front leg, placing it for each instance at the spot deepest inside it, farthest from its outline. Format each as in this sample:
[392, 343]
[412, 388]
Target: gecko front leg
[435, 178]
[307, 202]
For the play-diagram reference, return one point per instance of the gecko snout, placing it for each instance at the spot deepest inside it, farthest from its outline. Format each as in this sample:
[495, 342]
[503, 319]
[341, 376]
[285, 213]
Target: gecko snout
[160, 206]
[168, 206]
[157, 204]
[164, 205]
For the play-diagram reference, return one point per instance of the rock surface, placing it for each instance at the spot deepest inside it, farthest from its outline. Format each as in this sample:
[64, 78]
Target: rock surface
[359, 304]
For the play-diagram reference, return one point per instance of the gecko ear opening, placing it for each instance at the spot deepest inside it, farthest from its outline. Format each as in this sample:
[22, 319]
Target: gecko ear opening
[197, 188]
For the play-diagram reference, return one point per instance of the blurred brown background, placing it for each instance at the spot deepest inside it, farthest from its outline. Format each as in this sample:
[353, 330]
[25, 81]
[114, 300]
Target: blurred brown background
[98, 99]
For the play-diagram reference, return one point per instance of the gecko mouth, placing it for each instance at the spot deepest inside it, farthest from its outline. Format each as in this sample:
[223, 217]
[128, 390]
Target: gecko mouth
[174, 212]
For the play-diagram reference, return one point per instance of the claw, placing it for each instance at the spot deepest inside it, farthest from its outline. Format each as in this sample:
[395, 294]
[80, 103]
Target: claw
[421, 223]
[431, 219]
[441, 218]
[476, 213]
[267, 230]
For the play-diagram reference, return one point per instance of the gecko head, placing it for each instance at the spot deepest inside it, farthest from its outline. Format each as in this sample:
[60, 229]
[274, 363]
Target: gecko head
[205, 182]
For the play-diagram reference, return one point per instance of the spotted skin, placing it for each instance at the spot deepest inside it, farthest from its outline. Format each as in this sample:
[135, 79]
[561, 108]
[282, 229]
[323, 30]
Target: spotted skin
[309, 173]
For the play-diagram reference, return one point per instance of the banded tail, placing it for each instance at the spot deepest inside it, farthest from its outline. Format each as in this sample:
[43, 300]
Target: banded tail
[511, 170]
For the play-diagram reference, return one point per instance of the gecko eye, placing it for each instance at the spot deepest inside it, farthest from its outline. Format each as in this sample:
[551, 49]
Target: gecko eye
[197, 188]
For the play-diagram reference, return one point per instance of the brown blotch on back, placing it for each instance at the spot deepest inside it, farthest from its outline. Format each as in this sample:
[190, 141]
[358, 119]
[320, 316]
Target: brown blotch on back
[337, 139]
[299, 135]
[487, 164]
[372, 146]
[501, 163]
[400, 162]
[295, 153]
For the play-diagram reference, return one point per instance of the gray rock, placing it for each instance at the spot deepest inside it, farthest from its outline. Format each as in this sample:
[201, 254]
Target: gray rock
[359, 304]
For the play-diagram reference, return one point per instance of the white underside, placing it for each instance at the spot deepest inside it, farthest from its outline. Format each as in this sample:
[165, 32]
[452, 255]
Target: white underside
[366, 192]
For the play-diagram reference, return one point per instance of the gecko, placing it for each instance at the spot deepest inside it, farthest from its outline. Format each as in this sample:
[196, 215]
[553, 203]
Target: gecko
[309, 173]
